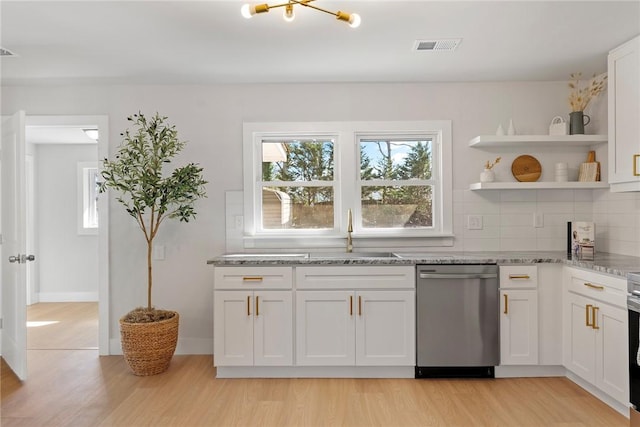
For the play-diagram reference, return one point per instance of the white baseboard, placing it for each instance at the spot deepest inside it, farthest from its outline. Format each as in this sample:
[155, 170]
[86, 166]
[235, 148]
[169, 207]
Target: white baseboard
[522, 371]
[618, 406]
[67, 297]
[316, 372]
[185, 346]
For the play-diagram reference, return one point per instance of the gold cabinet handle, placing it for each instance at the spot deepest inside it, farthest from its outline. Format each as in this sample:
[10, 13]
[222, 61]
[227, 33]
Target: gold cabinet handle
[249, 305]
[350, 305]
[594, 315]
[506, 304]
[592, 286]
[587, 309]
[252, 279]
[519, 276]
[635, 165]
[359, 305]
[257, 306]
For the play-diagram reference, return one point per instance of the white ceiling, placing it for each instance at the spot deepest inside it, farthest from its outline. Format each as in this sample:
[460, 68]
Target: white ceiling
[204, 42]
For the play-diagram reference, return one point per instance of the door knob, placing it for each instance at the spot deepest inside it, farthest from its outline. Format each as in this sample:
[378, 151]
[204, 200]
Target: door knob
[15, 259]
[26, 258]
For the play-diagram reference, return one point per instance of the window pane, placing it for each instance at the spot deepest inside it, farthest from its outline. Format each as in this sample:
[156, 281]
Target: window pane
[297, 160]
[395, 159]
[297, 208]
[397, 207]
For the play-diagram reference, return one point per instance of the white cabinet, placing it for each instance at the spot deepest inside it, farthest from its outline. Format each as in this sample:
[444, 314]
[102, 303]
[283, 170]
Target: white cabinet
[624, 110]
[360, 324]
[595, 332]
[518, 315]
[253, 327]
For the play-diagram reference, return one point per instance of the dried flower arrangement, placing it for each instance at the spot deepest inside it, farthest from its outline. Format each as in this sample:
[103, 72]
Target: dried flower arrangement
[579, 97]
[489, 166]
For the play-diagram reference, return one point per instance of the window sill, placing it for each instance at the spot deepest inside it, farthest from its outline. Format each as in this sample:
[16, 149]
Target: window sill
[359, 242]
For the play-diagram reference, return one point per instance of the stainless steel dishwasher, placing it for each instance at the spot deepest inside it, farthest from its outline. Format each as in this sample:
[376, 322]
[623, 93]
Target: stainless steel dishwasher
[457, 321]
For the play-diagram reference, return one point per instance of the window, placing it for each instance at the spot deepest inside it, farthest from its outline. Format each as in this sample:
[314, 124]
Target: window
[302, 178]
[87, 198]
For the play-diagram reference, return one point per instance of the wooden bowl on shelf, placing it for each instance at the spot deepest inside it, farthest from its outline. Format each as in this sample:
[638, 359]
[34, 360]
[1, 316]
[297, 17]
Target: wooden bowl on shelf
[526, 168]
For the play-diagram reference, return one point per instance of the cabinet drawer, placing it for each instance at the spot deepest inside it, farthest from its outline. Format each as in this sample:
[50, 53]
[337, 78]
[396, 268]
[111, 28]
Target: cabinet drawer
[356, 277]
[605, 288]
[518, 276]
[253, 278]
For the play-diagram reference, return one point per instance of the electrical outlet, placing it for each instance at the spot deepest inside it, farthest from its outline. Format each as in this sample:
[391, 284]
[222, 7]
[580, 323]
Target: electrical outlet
[474, 222]
[158, 252]
[538, 219]
[238, 222]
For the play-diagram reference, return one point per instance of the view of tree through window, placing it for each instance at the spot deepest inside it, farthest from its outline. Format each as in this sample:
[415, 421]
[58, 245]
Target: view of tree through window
[298, 184]
[396, 187]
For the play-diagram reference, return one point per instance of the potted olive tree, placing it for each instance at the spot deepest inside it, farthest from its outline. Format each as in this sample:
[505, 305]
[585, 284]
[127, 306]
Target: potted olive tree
[150, 195]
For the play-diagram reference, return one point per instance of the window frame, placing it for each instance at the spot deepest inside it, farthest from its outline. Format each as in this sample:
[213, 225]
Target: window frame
[347, 183]
[84, 198]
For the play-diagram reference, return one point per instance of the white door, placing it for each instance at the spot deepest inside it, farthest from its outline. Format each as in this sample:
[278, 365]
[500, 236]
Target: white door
[624, 109]
[519, 327]
[273, 328]
[233, 337]
[14, 243]
[385, 328]
[612, 357]
[325, 328]
[579, 337]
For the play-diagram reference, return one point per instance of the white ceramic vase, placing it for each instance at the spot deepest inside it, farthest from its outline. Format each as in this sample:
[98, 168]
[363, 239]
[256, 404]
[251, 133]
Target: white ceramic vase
[487, 176]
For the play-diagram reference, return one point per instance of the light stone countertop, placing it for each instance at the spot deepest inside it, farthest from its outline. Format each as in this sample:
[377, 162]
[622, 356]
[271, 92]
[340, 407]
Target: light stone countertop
[614, 264]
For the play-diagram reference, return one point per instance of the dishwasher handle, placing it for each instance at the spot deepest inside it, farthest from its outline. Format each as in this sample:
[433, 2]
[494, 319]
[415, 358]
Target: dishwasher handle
[458, 276]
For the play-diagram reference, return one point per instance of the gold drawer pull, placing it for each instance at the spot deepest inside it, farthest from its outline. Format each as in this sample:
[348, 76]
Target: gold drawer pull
[519, 276]
[592, 286]
[635, 165]
[359, 305]
[249, 306]
[587, 309]
[252, 279]
[350, 305]
[506, 304]
[257, 306]
[594, 315]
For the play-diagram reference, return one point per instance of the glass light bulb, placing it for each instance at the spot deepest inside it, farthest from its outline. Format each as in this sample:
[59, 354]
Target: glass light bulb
[288, 14]
[354, 20]
[245, 10]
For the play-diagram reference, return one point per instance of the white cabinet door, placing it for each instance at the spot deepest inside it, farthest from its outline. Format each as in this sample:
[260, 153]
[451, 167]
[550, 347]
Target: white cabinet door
[325, 328]
[273, 328]
[624, 110]
[519, 327]
[612, 357]
[233, 337]
[385, 328]
[579, 338]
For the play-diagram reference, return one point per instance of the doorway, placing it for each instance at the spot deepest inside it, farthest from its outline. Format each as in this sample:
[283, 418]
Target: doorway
[68, 289]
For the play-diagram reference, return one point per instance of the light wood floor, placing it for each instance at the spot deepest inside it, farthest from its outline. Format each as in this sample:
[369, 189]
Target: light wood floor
[78, 388]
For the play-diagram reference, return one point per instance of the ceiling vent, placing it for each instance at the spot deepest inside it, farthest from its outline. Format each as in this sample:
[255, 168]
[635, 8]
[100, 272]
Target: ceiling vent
[6, 52]
[440, 45]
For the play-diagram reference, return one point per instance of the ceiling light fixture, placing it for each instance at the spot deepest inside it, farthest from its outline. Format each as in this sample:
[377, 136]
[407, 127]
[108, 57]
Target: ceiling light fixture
[248, 10]
[91, 133]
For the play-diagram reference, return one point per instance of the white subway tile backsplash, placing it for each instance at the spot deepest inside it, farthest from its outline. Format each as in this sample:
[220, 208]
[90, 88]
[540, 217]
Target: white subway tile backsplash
[555, 207]
[518, 232]
[517, 196]
[554, 195]
[516, 220]
[517, 207]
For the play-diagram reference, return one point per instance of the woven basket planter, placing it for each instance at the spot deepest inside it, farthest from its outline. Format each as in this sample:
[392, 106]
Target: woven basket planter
[149, 347]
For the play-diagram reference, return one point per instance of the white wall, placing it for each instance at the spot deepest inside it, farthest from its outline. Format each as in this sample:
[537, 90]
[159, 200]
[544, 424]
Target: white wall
[210, 118]
[67, 261]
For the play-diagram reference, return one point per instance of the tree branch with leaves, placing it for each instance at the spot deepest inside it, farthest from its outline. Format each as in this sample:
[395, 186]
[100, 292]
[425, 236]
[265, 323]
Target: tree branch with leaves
[148, 193]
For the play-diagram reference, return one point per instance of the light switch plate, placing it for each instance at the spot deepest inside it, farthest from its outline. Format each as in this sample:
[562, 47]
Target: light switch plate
[538, 219]
[474, 222]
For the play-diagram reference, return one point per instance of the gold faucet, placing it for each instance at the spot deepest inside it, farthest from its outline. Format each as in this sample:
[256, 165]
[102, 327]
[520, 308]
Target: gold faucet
[349, 231]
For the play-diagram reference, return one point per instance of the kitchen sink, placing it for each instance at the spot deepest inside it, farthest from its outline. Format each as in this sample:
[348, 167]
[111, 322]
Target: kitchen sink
[352, 255]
